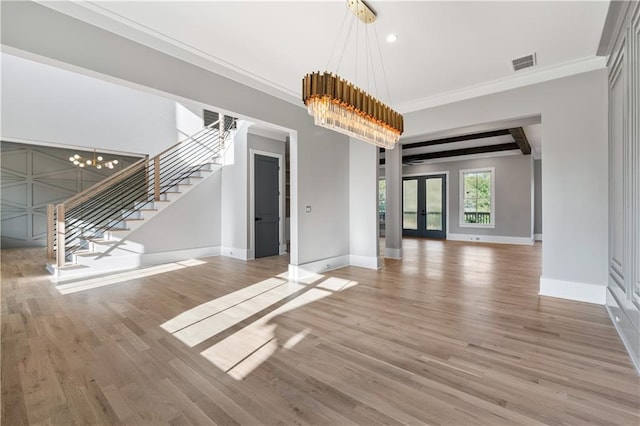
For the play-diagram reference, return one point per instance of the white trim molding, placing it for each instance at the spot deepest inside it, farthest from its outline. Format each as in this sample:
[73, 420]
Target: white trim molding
[537, 237]
[234, 252]
[580, 292]
[131, 262]
[370, 262]
[301, 272]
[540, 75]
[498, 239]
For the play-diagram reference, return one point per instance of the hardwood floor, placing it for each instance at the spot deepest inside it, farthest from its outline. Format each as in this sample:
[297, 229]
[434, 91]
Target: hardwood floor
[453, 334]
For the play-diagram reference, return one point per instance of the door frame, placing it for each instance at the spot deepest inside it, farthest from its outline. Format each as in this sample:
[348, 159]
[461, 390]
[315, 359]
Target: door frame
[446, 185]
[282, 247]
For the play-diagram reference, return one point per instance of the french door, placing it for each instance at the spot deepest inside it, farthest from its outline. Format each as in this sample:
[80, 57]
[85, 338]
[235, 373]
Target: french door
[424, 206]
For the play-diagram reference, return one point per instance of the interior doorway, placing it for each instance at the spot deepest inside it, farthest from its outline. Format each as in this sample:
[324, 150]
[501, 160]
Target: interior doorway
[424, 206]
[266, 204]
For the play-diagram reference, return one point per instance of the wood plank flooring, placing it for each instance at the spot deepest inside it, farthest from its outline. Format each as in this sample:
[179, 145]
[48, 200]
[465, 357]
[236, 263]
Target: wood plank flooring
[453, 334]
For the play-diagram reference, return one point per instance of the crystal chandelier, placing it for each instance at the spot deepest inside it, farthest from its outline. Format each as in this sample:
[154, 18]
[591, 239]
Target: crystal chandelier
[341, 106]
[97, 161]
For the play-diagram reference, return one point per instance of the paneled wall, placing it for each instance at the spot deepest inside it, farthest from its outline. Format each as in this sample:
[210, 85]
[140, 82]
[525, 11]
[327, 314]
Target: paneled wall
[623, 295]
[33, 176]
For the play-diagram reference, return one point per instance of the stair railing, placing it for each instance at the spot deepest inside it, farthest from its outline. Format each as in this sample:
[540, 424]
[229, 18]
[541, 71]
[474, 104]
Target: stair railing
[105, 205]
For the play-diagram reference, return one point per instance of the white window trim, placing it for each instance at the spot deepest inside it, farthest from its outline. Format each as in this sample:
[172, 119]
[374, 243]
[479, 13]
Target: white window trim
[492, 170]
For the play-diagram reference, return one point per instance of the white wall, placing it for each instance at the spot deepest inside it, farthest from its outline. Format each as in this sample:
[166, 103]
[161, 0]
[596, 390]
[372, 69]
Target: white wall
[192, 222]
[235, 209]
[319, 157]
[46, 105]
[574, 131]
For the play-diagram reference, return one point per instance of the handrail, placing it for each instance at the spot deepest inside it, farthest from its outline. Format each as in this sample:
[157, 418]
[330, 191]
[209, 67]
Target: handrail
[188, 138]
[87, 193]
[94, 189]
[104, 205]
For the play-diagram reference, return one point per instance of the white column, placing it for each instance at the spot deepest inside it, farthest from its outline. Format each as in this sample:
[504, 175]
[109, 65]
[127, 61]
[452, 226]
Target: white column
[363, 205]
[393, 218]
[235, 193]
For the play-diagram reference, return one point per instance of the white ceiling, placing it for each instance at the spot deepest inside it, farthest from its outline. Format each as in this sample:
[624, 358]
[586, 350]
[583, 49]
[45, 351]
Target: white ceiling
[446, 50]
[443, 47]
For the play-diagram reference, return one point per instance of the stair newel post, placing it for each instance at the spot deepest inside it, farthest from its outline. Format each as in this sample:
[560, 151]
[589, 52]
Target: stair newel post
[51, 226]
[60, 230]
[156, 178]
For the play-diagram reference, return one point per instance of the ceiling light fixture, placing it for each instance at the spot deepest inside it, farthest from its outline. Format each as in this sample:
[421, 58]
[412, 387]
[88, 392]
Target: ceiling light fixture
[97, 161]
[339, 105]
[391, 38]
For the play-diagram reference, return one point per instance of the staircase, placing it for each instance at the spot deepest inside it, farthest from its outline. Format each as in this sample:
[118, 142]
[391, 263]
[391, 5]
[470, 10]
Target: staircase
[88, 233]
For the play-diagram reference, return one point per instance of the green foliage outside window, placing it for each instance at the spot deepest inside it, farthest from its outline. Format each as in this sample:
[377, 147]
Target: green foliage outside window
[477, 197]
[382, 197]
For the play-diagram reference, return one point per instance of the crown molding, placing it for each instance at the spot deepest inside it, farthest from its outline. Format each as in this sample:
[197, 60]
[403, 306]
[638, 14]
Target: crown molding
[512, 82]
[105, 19]
[96, 15]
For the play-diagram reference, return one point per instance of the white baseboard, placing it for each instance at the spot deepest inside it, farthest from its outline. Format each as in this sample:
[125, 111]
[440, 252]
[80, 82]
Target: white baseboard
[537, 237]
[300, 272]
[498, 239]
[370, 262]
[393, 253]
[625, 328]
[581, 292]
[236, 253]
[177, 255]
[114, 264]
[310, 271]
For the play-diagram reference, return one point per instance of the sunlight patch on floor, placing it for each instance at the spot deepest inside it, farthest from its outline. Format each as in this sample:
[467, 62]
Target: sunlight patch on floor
[214, 324]
[220, 304]
[121, 277]
[243, 351]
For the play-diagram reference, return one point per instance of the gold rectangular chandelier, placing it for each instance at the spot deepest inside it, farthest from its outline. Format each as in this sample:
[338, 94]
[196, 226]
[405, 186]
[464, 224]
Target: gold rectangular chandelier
[343, 107]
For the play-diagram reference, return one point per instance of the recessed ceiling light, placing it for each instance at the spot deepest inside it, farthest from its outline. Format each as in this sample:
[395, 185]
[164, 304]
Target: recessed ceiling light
[391, 38]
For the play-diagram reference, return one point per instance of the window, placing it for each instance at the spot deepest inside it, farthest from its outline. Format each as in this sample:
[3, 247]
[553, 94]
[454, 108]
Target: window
[382, 201]
[477, 202]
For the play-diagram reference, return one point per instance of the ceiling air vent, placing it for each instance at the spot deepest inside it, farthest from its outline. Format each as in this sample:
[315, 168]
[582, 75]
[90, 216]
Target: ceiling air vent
[524, 62]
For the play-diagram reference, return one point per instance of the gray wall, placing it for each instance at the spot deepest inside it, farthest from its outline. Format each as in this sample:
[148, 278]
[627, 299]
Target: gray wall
[537, 201]
[512, 198]
[33, 176]
[313, 150]
[574, 131]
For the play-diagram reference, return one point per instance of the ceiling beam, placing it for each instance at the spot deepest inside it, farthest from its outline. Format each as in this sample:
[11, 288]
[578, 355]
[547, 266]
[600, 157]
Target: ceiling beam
[461, 138]
[457, 152]
[521, 139]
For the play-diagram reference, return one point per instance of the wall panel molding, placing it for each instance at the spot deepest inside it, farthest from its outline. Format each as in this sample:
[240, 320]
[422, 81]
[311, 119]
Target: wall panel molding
[33, 176]
[623, 297]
